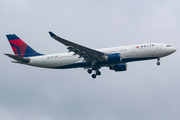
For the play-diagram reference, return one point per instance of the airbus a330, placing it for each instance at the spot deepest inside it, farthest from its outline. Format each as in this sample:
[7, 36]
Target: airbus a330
[78, 56]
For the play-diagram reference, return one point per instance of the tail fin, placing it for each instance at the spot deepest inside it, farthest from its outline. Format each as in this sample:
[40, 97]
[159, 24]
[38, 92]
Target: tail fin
[20, 48]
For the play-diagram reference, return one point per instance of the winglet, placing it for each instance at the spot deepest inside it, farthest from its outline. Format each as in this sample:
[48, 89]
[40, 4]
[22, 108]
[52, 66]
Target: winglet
[52, 34]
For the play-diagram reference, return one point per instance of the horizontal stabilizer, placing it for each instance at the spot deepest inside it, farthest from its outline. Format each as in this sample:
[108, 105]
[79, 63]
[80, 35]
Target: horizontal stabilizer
[19, 59]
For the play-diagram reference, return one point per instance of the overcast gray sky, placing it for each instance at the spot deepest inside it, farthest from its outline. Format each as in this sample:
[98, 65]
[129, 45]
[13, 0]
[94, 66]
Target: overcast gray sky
[144, 92]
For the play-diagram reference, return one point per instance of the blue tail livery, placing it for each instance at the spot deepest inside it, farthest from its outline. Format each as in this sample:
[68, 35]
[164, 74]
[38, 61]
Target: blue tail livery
[20, 48]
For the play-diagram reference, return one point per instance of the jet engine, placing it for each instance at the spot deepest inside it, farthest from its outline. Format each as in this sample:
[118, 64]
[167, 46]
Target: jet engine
[119, 67]
[114, 57]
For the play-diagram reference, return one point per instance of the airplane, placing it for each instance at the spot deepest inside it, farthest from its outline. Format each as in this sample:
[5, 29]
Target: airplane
[78, 56]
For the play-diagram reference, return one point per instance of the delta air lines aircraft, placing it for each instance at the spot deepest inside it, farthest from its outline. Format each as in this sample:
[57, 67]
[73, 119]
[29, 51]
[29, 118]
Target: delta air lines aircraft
[79, 56]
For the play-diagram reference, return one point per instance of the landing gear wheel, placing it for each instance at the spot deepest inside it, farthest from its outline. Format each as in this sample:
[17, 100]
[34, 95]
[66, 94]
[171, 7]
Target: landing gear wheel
[93, 76]
[98, 73]
[89, 71]
[158, 63]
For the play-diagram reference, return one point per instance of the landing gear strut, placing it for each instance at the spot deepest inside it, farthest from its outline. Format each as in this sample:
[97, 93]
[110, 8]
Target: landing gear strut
[95, 68]
[158, 63]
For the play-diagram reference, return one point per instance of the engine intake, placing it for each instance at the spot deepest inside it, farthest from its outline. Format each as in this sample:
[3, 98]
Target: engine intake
[119, 67]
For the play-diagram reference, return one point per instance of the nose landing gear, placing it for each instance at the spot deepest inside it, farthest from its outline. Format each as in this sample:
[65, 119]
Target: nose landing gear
[158, 63]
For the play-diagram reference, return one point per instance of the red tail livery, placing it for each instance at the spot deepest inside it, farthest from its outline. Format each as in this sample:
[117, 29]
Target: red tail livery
[20, 48]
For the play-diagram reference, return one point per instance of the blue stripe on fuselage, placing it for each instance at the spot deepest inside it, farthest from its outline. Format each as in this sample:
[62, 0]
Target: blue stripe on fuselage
[85, 64]
[75, 65]
[137, 59]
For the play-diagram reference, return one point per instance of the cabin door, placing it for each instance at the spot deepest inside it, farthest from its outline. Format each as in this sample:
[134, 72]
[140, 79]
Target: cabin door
[133, 49]
[158, 47]
[44, 59]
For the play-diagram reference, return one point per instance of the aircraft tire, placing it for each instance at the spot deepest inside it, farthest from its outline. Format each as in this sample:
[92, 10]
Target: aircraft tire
[89, 71]
[98, 73]
[93, 76]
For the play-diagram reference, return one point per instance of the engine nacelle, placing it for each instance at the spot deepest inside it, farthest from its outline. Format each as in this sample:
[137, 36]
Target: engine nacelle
[114, 57]
[119, 67]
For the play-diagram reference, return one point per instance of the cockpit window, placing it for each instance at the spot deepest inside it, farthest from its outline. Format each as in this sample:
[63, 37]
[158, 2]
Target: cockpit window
[168, 46]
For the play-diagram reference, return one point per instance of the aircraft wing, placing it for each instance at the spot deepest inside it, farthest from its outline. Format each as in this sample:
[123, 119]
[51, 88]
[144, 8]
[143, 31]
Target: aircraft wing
[87, 53]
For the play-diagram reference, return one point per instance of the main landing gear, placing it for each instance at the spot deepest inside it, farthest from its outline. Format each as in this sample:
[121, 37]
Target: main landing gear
[97, 72]
[158, 63]
[95, 68]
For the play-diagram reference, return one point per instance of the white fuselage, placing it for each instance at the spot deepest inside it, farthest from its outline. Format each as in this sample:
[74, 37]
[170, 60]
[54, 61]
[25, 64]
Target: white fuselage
[128, 54]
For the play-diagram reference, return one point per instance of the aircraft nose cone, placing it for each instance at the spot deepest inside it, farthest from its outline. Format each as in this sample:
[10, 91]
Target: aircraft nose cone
[175, 49]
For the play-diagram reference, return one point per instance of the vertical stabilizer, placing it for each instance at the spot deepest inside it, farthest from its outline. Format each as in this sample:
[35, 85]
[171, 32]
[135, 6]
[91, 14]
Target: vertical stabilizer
[20, 48]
